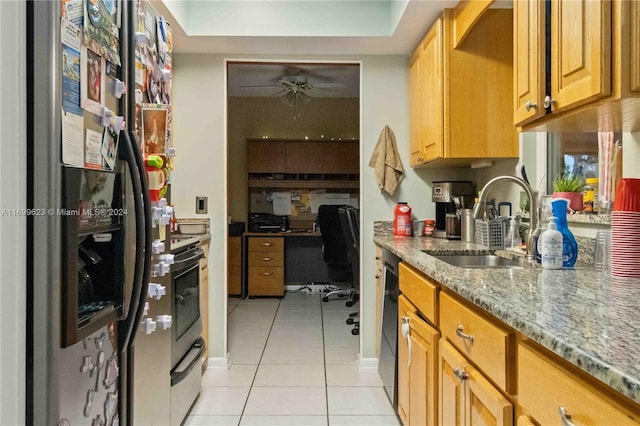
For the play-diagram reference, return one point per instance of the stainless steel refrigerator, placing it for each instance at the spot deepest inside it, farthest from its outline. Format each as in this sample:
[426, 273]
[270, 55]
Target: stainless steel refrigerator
[90, 225]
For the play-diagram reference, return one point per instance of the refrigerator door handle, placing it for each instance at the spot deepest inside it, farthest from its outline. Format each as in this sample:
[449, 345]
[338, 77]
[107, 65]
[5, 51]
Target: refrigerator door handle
[148, 235]
[142, 213]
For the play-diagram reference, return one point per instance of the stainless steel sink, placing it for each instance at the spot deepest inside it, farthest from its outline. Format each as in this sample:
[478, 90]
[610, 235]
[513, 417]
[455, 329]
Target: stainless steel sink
[479, 261]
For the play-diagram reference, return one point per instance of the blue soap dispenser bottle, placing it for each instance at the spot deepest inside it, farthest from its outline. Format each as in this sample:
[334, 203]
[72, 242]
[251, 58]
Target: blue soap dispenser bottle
[569, 244]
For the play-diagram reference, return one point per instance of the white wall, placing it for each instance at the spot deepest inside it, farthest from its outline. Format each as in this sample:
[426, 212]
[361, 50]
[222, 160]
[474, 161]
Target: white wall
[12, 229]
[201, 170]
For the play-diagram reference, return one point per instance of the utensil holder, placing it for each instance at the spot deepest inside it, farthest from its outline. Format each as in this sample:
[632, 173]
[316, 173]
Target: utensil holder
[490, 233]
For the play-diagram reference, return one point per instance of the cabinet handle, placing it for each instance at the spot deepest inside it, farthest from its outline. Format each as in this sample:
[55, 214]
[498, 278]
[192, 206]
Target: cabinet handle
[406, 332]
[548, 101]
[460, 332]
[565, 417]
[378, 258]
[462, 375]
[530, 105]
[266, 259]
[266, 244]
[420, 159]
[266, 274]
[378, 276]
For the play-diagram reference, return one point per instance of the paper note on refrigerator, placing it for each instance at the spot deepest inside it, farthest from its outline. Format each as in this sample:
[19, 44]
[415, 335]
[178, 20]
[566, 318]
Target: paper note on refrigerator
[93, 144]
[72, 141]
[282, 203]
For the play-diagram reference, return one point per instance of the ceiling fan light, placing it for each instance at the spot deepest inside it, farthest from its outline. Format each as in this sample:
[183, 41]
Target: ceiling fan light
[295, 99]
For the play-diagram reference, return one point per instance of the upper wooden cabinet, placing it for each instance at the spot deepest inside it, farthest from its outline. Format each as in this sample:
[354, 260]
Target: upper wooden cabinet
[459, 96]
[634, 69]
[304, 157]
[303, 164]
[528, 59]
[589, 65]
[266, 157]
[341, 157]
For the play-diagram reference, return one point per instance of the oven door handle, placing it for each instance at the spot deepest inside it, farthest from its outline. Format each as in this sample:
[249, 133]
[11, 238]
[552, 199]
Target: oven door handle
[195, 352]
[199, 255]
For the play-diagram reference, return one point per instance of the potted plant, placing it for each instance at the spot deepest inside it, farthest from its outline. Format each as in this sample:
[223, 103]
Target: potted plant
[569, 186]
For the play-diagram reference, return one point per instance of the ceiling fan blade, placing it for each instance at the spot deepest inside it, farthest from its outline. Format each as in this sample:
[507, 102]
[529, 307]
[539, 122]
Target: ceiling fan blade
[328, 85]
[275, 86]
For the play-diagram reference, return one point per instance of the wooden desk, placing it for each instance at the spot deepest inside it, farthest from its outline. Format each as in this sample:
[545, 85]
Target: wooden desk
[293, 258]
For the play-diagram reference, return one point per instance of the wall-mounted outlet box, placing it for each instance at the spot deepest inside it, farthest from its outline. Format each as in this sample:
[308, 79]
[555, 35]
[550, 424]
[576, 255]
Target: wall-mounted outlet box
[201, 205]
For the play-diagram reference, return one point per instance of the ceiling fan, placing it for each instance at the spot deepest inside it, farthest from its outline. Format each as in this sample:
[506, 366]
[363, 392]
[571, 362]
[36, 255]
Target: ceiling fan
[295, 87]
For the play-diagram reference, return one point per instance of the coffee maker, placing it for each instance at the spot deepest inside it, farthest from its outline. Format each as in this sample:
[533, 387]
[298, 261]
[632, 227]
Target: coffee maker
[442, 194]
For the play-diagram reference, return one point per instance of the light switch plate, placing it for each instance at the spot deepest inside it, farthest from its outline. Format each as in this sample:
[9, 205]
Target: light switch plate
[201, 205]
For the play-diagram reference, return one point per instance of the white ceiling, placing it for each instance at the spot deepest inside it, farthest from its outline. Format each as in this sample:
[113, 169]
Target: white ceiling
[300, 27]
[305, 28]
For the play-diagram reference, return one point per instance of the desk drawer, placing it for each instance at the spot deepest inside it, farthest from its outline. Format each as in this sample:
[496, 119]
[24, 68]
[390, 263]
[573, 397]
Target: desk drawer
[266, 258]
[420, 291]
[266, 281]
[493, 345]
[266, 244]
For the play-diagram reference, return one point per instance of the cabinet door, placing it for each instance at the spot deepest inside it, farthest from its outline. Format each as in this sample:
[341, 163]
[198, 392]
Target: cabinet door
[265, 157]
[424, 373]
[580, 51]
[303, 157]
[528, 59]
[635, 46]
[431, 64]
[403, 362]
[341, 158]
[484, 404]
[453, 368]
[525, 421]
[417, 367]
[416, 116]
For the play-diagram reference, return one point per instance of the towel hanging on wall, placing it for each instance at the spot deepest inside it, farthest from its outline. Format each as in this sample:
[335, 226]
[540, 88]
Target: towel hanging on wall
[386, 162]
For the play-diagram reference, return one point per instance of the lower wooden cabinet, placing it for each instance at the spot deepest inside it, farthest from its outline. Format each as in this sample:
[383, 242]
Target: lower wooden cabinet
[417, 367]
[547, 386]
[466, 397]
[266, 266]
[234, 266]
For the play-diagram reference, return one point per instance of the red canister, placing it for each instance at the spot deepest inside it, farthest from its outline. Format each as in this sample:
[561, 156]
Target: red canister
[402, 220]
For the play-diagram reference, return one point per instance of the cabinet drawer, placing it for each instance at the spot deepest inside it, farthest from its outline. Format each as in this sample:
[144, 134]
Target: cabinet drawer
[266, 281]
[266, 258]
[545, 384]
[489, 345]
[266, 244]
[421, 291]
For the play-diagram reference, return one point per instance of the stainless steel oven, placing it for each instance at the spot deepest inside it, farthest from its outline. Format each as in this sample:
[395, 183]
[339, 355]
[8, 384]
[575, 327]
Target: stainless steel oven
[187, 345]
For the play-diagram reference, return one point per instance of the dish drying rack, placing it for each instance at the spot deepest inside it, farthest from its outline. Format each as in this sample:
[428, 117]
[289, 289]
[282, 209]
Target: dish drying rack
[490, 233]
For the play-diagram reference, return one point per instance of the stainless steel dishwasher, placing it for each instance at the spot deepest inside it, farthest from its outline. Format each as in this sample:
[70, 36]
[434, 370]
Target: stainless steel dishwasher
[388, 366]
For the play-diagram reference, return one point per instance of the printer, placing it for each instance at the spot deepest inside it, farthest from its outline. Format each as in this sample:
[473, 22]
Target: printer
[266, 222]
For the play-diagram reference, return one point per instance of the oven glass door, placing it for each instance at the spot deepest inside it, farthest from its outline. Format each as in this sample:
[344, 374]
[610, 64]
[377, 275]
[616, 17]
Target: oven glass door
[186, 286]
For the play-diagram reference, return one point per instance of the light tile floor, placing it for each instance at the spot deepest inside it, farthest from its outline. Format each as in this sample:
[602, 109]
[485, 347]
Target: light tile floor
[293, 363]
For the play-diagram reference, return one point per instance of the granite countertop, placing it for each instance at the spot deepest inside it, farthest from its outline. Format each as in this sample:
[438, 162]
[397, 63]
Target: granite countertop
[588, 318]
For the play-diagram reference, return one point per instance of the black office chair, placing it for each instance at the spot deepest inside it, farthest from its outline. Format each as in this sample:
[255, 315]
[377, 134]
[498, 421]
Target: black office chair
[351, 227]
[335, 251]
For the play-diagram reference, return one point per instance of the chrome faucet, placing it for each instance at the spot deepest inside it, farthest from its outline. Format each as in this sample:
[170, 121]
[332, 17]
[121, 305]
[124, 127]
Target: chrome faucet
[533, 208]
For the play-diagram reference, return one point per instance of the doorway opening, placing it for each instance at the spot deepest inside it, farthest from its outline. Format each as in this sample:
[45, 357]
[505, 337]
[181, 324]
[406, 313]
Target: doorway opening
[291, 132]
